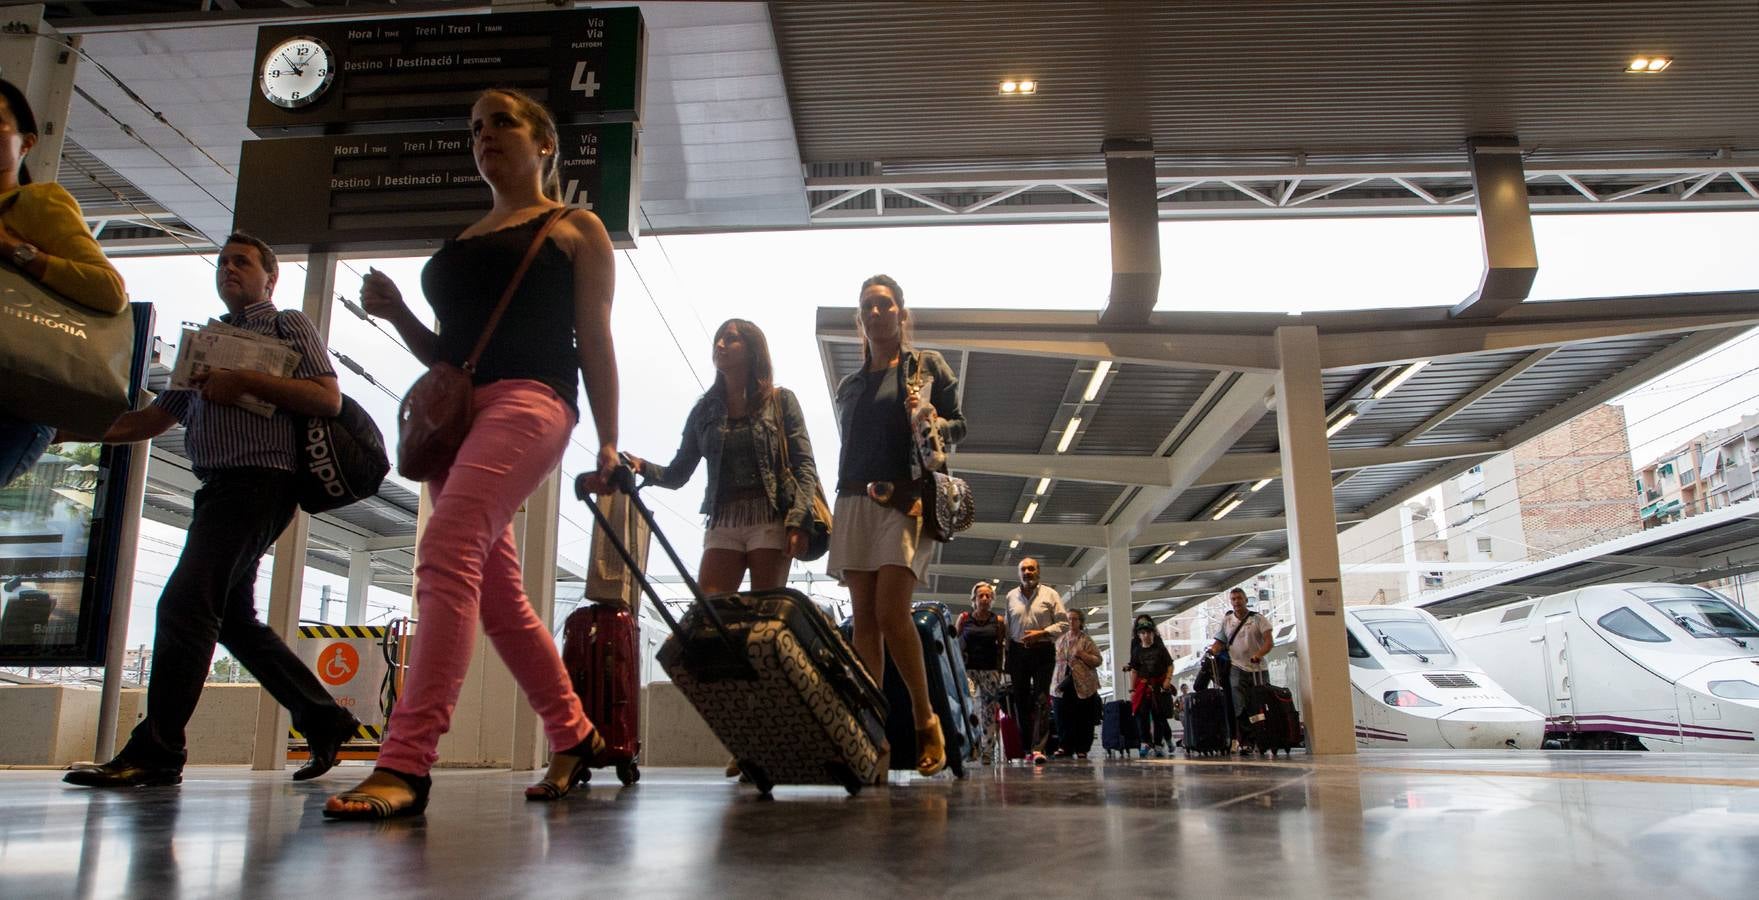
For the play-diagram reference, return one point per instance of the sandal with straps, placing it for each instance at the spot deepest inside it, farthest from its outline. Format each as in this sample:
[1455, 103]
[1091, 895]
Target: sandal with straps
[575, 761]
[931, 748]
[379, 807]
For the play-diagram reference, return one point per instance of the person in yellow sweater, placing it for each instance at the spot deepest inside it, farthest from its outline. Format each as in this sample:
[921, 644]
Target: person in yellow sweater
[44, 234]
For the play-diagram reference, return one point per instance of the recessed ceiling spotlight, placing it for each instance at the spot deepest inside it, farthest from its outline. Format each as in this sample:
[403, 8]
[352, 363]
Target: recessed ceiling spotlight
[1029, 87]
[1017, 86]
[1013, 87]
[1648, 65]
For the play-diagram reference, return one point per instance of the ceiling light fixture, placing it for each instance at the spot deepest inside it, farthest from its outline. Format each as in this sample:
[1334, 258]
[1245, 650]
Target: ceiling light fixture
[1069, 434]
[1259, 484]
[1228, 507]
[1028, 86]
[1403, 375]
[1099, 373]
[1009, 87]
[1342, 422]
[1013, 545]
[1031, 510]
[1164, 556]
[1648, 65]
[1183, 543]
[1044, 484]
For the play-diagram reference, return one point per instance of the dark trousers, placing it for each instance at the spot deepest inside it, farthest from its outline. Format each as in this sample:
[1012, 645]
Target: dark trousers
[1152, 728]
[211, 598]
[1076, 719]
[1030, 667]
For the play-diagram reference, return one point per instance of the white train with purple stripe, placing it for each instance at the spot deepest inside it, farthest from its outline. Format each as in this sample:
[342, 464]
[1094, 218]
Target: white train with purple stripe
[1412, 686]
[1627, 666]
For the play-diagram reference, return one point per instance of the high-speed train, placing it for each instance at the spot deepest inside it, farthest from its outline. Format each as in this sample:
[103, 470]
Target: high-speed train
[1412, 686]
[1627, 666]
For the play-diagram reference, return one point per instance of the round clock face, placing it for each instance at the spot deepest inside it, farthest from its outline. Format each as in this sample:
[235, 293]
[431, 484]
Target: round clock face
[296, 72]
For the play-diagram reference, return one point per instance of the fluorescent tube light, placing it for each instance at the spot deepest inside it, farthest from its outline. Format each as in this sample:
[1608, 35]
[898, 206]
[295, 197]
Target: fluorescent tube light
[1031, 510]
[1094, 381]
[1069, 434]
[1403, 375]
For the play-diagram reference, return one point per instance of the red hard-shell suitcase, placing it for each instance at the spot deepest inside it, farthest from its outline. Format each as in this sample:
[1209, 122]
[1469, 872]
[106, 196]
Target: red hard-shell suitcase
[1013, 747]
[600, 647]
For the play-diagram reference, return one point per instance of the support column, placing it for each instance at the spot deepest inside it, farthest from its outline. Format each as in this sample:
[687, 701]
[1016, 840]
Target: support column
[122, 598]
[1134, 213]
[1120, 610]
[1313, 543]
[288, 579]
[1505, 225]
[537, 561]
[360, 578]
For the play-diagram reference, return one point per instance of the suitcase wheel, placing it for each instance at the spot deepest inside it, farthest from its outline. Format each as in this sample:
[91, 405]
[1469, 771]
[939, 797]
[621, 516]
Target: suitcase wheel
[759, 778]
[585, 776]
[844, 776]
[628, 773]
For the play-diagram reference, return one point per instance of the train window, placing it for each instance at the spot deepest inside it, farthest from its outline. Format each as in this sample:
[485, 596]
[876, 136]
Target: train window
[1625, 623]
[1357, 651]
[1412, 637]
[1708, 617]
[1735, 690]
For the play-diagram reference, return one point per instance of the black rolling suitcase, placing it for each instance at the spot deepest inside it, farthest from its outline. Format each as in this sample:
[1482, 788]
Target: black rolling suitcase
[947, 687]
[1205, 719]
[771, 675]
[1272, 723]
[1117, 729]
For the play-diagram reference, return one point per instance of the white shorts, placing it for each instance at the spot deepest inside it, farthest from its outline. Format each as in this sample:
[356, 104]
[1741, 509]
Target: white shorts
[866, 536]
[746, 538]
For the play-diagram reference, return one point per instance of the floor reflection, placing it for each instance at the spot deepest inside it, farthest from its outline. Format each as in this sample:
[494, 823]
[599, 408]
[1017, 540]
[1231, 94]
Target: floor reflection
[1403, 825]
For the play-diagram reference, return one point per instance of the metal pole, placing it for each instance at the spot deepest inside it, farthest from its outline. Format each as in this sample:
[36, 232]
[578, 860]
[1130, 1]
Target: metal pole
[121, 602]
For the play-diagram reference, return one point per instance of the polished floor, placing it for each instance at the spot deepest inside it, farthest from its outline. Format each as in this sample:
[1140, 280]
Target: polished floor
[1382, 824]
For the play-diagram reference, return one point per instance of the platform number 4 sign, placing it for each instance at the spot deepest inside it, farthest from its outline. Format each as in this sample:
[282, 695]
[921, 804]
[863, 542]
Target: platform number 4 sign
[572, 195]
[585, 82]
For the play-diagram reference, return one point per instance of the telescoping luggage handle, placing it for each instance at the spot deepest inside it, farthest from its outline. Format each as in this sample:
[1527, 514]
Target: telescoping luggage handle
[623, 479]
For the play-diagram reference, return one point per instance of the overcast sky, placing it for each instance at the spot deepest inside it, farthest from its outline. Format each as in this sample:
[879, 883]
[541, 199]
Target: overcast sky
[778, 280]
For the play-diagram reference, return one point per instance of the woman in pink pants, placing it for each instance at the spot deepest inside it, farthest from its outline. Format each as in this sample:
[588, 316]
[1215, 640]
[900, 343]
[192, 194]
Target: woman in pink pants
[557, 324]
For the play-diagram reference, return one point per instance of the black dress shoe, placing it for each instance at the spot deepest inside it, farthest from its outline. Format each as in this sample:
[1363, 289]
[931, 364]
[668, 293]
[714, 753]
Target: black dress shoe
[121, 773]
[324, 748]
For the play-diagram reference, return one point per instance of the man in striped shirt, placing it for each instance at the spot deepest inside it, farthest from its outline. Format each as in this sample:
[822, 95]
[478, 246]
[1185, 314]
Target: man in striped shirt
[249, 493]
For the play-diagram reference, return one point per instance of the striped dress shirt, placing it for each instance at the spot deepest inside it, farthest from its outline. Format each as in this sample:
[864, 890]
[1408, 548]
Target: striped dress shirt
[221, 436]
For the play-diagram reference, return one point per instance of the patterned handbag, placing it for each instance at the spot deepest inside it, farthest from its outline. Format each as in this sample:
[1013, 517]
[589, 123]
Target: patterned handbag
[947, 504]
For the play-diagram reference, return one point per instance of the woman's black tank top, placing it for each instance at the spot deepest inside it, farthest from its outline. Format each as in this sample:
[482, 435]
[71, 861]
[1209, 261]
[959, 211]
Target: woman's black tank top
[535, 339]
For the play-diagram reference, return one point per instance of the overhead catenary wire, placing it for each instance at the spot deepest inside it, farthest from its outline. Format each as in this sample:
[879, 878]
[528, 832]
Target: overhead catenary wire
[1742, 402]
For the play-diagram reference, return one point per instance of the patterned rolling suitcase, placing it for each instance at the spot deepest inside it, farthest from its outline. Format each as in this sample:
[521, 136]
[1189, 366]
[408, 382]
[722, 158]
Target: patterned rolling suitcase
[771, 676]
[600, 649]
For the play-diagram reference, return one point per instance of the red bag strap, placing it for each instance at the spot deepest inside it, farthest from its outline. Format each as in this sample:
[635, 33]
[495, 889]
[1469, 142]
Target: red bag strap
[537, 243]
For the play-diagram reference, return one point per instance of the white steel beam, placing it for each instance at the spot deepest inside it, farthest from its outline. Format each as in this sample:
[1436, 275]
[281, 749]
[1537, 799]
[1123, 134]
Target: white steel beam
[1231, 468]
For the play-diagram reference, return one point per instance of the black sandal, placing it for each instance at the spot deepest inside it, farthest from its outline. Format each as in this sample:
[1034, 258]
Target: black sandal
[586, 755]
[380, 808]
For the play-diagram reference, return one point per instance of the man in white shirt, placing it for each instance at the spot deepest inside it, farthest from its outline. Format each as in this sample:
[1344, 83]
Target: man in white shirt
[1245, 638]
[1036, 618]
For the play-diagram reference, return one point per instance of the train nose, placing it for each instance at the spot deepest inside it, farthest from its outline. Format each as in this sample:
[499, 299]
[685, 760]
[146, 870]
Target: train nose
[1492, 728]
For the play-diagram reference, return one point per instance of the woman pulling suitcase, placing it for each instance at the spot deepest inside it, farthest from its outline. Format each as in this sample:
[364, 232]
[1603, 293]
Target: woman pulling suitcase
[745, 427]
[557, 323]
[880, 549]
[761, 476]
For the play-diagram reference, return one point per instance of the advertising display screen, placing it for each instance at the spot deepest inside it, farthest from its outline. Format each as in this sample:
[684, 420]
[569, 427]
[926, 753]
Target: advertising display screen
[59, 541]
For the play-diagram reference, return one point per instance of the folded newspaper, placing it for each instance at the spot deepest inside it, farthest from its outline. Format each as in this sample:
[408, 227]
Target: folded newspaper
[218, 345]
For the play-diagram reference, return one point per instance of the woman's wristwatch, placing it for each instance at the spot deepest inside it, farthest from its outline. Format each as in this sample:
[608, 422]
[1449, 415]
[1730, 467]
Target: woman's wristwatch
[24, 254]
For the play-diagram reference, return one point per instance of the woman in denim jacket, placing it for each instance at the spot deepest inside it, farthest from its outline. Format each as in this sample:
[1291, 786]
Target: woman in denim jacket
[757, 513]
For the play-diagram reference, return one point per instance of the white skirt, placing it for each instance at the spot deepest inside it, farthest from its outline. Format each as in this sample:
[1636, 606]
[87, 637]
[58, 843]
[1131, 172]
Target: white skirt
[866, 536]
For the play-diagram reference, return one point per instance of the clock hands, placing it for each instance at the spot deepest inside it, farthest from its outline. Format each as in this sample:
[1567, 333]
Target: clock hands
[298, 70]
